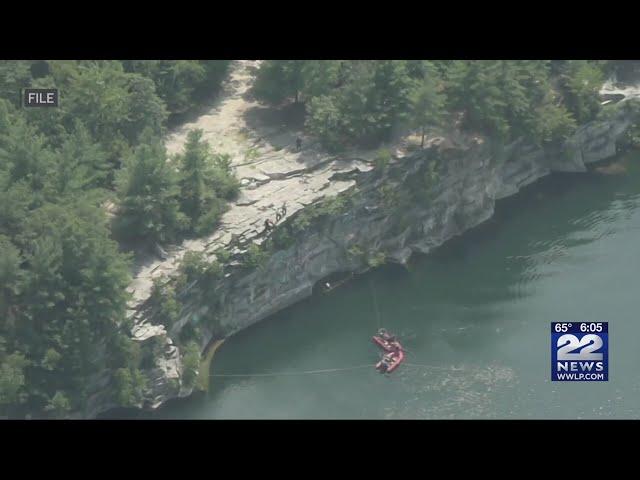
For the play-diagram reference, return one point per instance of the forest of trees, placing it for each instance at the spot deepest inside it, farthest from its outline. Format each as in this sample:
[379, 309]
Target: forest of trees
[365, 102]
[63, 274]
[64, 266]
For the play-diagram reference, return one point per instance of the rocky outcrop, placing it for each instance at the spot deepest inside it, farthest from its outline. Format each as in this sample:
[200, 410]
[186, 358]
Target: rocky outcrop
[414, 204]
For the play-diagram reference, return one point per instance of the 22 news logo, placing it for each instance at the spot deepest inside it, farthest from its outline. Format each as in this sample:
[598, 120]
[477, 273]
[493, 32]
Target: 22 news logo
[579, 351]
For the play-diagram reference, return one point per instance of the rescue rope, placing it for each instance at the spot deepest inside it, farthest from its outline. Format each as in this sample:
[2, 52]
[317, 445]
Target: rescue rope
[375, 303]
[328, 370]
[307, 372]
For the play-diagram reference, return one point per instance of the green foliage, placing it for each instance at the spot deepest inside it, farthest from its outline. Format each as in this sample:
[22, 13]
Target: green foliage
[507, 99]
[194, 266]
[278, 79]
[191, 364]
[327, 208]
[23, 152]
[81, 164]
[356, 252]
[326, 120]
[251, 154]
[66, 295]
[205, 181]
[382, 159]
[59, 404]
[551, 123]
[376, 259]
[115, 106]
[282, 237]
[255, 256]
[77, 283]
[388, 195]
[319, 77]
[432, 174]
[581, 80]
[12, 378]
[181, 84]
[125, 352]
[427, 103]
[130, 384]
[372, 101]
[166, 308]
[51, 359]
[14, 76]
[364, 102]
[223, 255]
[148, 196]
[11, 277]
[62, 279]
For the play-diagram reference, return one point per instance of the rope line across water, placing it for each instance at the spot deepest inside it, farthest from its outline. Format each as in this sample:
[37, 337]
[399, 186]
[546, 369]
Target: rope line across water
[307, 372]
[327, 370]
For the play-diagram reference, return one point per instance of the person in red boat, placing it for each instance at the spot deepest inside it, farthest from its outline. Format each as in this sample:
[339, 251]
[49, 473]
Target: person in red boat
[386, 362]
[395, 346]
[386, 336]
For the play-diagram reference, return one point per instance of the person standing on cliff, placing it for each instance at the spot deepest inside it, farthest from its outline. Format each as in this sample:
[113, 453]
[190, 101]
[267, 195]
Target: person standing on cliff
[281, 212]
[298, 143]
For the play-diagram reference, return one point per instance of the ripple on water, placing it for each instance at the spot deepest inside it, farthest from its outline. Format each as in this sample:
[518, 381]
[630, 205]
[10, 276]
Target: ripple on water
[462, 391]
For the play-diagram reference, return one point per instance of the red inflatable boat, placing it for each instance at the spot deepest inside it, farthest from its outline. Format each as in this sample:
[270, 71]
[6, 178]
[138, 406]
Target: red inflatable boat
[390, 347]
[383, 344]
[398, 357]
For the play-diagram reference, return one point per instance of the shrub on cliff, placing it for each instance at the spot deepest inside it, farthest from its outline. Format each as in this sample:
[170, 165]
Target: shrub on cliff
[129, 387]
[255, 256]
[166, 308]
[190, 364]
[376, 259]
[195, 266]
[59, 404]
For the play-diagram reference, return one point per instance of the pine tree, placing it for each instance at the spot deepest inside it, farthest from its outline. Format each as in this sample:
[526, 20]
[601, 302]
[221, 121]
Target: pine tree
[319, 77]
[11, 276]
[581, 80]
[74, 296]
[205, 180]
[14, 76]
[427, 105]
[80, 164]
[278, 80]
[194, 166]
[23, 153]
[12, 378]
[148, 195]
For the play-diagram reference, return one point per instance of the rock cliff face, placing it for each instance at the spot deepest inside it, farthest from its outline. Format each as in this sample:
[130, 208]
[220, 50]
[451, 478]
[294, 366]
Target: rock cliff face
[413, 204]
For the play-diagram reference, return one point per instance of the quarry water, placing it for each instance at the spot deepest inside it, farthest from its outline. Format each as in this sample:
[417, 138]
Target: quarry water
[474, 315]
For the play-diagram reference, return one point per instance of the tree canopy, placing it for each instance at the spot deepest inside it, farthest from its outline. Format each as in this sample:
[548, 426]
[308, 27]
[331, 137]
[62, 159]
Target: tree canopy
[63, 277]
[367, 102]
